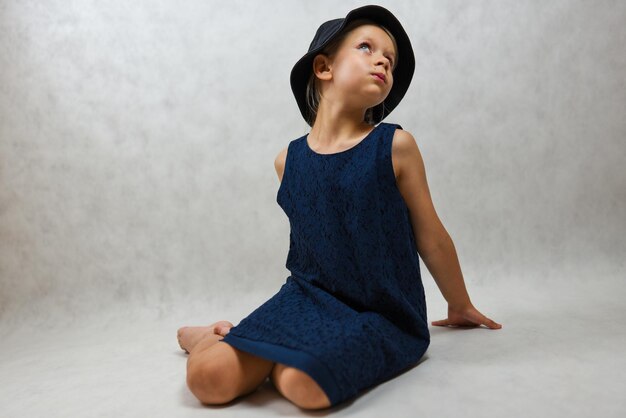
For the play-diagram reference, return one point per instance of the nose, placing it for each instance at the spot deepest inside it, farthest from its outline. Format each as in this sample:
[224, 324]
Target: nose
[384, 62]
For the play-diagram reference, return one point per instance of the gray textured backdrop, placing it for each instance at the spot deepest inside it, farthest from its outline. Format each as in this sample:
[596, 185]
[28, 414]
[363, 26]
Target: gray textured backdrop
[137, 195]
[137, 142]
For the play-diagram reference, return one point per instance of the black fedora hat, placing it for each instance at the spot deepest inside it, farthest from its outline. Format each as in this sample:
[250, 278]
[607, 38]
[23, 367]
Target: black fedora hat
[402, 74]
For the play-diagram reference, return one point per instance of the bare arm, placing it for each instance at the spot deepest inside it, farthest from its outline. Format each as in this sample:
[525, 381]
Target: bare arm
[279, 163]
[433, 241]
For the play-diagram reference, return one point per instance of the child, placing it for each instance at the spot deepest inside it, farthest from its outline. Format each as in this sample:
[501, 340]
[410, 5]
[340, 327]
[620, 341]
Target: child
[352, 314]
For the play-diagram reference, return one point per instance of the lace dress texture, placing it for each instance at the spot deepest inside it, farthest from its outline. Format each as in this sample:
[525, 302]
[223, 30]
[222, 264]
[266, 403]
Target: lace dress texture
[352, 313]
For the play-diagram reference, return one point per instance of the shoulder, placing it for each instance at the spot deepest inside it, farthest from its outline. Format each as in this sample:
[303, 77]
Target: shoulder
[413, 186]
[404, 152]
[402, 139]
[279, 162]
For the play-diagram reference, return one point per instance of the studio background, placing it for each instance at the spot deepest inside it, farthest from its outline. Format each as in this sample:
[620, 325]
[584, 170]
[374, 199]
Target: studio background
[138, 195]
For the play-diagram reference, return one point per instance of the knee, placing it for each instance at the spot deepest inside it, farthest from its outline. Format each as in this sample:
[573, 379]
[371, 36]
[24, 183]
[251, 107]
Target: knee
[209, 383]
[299, 388]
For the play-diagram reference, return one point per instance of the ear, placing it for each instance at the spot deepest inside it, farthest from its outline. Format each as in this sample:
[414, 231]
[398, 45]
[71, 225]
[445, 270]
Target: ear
[322, 67]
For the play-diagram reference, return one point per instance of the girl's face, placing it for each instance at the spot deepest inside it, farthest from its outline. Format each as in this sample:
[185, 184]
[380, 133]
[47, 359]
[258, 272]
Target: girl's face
[365, 52]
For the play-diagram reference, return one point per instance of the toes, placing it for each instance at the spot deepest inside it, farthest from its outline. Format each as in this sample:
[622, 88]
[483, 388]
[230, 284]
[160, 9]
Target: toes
[180, 344]
[222, 326]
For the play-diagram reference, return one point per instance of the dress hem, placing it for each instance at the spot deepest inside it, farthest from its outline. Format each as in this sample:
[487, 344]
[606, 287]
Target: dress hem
[293, 358]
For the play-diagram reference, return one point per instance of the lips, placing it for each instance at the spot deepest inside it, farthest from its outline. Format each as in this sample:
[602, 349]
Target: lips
[381, 76]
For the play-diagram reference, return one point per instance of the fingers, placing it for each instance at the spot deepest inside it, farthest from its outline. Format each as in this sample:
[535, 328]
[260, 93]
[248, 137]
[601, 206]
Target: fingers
[492, 324]
[488, 322]
[479, 319]
[483, 320]
[446, 323]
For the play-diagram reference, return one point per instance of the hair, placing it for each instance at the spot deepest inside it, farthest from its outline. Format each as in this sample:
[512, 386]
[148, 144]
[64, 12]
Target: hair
[372, 114]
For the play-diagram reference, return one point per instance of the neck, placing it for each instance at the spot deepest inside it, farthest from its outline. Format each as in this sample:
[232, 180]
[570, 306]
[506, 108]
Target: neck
[334, 125]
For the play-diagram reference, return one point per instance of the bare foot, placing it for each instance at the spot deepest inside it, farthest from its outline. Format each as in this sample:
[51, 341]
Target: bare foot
[188, 337]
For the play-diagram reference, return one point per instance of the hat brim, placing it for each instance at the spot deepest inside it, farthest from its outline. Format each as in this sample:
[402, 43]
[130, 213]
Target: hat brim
[402, 74]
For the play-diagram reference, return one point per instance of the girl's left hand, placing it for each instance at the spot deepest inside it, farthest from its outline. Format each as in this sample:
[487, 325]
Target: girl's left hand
[466, 316]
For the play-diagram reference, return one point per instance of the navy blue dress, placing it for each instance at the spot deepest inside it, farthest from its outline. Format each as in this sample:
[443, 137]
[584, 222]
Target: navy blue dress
[352, 313]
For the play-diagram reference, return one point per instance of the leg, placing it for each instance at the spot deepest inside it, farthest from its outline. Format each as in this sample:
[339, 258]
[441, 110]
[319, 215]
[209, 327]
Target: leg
[298, 387]
[218, 373]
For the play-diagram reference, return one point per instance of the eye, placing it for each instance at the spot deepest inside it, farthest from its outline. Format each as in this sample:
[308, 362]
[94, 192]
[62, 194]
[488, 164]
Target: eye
[364, 43]
[391, 62]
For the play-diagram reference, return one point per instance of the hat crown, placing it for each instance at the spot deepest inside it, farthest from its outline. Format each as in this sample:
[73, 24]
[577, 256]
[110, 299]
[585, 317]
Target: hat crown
[326, 31]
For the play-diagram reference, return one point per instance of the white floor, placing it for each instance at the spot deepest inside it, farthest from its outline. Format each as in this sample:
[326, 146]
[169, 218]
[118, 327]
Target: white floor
[560, 353]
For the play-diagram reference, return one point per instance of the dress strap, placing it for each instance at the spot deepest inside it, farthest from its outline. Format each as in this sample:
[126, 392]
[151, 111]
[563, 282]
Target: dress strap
[386, 164]
[388, 138]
